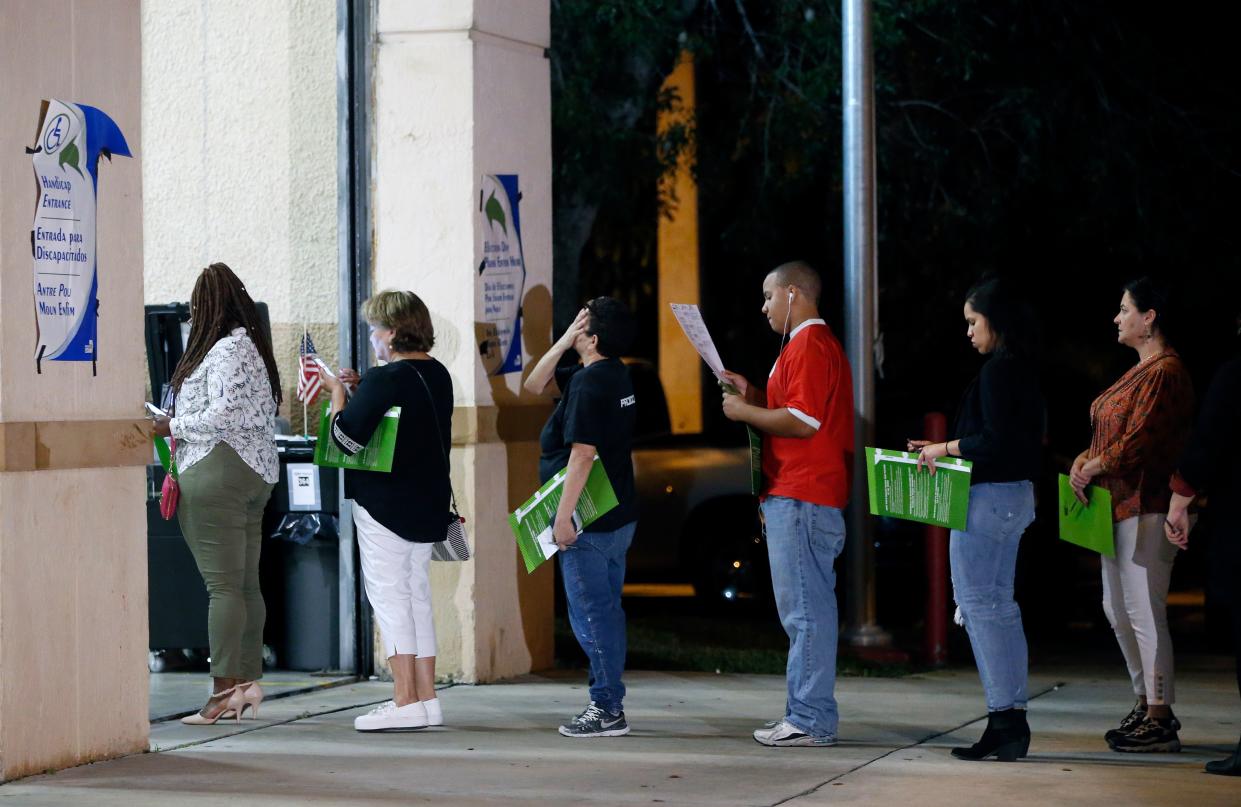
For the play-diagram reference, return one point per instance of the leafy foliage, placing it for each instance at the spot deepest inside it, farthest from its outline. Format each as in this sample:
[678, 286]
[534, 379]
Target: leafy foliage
[1073, 145]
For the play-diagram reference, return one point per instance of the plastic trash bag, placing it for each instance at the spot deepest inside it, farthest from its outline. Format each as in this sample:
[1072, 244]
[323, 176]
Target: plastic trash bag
[302, 528]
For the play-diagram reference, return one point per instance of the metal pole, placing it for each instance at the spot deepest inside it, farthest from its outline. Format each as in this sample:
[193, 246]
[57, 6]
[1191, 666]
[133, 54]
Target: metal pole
[353, 83]
[859, 208]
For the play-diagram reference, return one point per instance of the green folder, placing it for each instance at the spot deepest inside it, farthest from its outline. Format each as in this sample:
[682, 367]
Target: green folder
[756, 447]
[532, 522]
[756, 460]
[376, 456]
[1088, 526]
[165, 456]
[899, 490]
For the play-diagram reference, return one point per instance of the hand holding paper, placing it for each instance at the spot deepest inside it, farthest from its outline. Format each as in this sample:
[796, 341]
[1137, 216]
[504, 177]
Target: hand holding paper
[739, 384]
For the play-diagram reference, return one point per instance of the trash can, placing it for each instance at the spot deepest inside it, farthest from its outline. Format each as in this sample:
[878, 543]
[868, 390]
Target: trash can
[300, 568]
[176, 596]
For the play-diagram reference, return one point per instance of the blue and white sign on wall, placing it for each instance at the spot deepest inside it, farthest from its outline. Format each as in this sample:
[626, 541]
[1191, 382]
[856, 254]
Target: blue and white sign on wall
[502, 273]
[72, 137]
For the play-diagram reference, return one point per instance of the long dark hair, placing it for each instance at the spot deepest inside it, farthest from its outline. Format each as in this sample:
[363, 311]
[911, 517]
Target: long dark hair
[1008, 313]
[220, 303]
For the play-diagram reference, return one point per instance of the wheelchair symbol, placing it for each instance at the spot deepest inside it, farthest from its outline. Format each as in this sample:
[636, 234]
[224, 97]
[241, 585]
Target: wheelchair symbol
[56, 132]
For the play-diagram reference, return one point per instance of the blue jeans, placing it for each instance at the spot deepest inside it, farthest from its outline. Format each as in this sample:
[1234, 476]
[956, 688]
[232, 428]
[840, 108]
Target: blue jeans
[984, 561]
[594, 572]
[803, 540]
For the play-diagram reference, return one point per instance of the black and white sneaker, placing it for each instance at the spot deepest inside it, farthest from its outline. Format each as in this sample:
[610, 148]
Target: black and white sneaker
[1152, 736]
[596, 722]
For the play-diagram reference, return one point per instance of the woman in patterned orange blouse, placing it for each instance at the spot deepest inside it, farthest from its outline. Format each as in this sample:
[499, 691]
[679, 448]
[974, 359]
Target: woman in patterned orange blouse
[1140, 426]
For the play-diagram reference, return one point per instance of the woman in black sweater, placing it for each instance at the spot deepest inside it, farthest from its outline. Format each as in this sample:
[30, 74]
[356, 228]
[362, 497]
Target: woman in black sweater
[399, 515]
[999, 428]
[1209, 467]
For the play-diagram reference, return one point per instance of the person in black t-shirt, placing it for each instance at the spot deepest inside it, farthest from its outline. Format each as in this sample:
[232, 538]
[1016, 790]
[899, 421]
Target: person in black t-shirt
[399, 515]
[595, 414]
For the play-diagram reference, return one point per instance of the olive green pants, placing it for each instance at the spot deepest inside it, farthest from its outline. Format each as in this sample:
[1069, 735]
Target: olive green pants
[221, 514]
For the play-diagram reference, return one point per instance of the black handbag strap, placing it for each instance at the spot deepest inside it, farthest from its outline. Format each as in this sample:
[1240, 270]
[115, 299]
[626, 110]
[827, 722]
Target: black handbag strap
[439, 435]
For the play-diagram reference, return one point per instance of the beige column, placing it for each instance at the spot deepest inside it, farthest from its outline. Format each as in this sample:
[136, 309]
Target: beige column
[462, 91]
[679, 365]
[73, 594]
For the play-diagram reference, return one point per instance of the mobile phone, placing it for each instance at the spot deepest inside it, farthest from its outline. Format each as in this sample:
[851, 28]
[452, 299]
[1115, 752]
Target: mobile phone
[154, 410]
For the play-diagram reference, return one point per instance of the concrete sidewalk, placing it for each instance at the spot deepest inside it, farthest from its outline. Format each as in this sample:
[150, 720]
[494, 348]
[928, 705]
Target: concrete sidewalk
[690, 745]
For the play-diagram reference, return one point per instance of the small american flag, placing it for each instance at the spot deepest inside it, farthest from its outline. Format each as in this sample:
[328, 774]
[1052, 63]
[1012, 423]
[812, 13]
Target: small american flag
[308, 383]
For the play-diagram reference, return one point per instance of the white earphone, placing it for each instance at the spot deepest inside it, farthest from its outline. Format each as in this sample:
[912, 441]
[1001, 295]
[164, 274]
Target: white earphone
[787, 314]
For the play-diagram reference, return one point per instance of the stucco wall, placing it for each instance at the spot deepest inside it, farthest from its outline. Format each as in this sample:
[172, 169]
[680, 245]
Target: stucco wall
[73, 617]
[239, 102]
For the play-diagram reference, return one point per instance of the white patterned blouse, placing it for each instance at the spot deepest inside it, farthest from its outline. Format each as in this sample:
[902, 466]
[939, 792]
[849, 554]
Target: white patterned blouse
[228, 399]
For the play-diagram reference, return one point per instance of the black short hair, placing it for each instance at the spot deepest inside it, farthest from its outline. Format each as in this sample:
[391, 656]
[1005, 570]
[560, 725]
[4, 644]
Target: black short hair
[611, 321]
[802, 275]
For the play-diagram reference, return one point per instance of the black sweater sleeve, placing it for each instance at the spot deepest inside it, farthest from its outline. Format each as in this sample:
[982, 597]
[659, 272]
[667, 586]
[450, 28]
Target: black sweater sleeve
[356, 423]
[1217, 431]
[1000, 383]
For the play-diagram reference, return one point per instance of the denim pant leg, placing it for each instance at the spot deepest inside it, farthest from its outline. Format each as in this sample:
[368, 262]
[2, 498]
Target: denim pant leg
[594, 573]
[984, 563]
[803, 541]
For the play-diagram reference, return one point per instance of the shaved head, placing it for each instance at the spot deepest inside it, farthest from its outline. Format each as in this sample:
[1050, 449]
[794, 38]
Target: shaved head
[801, 275]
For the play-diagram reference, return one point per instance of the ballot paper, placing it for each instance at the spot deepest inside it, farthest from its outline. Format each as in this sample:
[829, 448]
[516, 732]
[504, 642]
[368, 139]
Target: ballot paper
[695, 329]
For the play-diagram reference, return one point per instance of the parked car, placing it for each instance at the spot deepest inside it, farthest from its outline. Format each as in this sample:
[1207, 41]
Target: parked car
[699, 521]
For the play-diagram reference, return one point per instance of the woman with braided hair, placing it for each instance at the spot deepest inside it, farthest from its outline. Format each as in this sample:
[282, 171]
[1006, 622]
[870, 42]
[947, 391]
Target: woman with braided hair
[223, 424]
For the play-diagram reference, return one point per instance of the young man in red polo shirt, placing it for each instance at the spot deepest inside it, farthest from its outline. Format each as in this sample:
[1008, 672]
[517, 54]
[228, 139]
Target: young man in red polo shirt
[806, 416]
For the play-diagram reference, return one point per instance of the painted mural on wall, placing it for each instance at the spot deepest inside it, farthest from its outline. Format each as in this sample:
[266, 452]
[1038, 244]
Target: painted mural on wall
[503, 274]
[72, 137]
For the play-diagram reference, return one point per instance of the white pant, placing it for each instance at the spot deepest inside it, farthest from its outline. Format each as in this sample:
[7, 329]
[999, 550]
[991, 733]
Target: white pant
[1135, 599]
[395, 573]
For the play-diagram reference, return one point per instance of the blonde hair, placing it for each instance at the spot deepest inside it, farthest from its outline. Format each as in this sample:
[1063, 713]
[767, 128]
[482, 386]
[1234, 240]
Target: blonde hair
[404, 313]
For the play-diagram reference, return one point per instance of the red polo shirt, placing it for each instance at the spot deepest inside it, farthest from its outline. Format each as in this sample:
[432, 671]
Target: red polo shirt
[811, 379]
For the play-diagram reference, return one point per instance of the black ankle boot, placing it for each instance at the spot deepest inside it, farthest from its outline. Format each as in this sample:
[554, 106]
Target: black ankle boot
[1007, 737]
[1227, 767]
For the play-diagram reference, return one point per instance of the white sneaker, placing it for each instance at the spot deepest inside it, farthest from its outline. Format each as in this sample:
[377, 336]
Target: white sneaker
[390, 717]
[785, 734]
[435, 713]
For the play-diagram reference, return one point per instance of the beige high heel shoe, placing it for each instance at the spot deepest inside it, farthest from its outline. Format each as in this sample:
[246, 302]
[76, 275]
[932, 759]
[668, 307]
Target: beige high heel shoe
[251, 697]
[227, 708]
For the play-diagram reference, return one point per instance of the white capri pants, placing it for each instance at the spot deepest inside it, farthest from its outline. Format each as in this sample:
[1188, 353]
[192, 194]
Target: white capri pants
[1135, 599]
[395, 573]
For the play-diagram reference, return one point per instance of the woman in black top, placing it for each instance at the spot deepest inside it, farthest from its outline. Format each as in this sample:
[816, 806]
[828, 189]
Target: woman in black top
[999, 428]
[1209, 467]
[399, 515]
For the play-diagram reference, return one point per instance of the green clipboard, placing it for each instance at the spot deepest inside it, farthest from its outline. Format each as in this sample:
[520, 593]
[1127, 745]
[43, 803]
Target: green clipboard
[1088, 526]
[376, 456]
